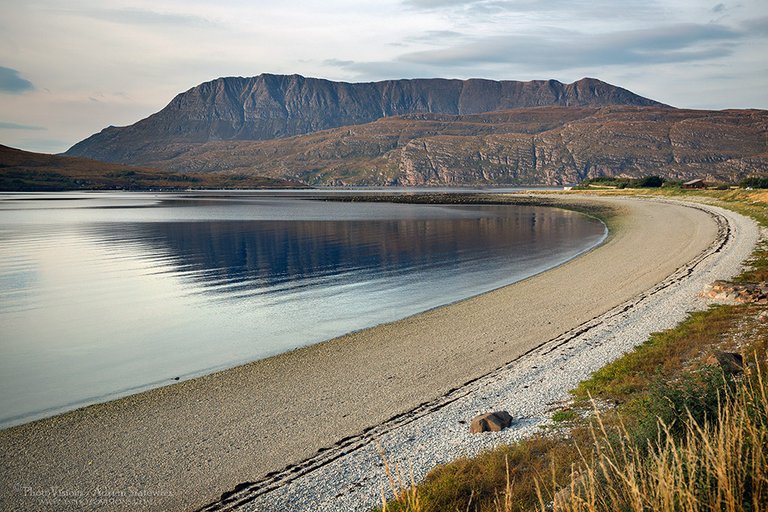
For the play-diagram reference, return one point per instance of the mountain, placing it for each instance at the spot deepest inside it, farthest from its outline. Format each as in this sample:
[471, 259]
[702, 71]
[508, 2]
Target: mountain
[25, 171]
[545, 145]
[278, 106]
[434, 132]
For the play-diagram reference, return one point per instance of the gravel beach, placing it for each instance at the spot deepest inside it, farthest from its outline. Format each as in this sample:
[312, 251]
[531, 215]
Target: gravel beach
[298, 431]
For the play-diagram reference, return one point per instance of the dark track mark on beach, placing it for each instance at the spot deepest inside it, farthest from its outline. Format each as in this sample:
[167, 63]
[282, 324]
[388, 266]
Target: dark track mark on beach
[248, 491]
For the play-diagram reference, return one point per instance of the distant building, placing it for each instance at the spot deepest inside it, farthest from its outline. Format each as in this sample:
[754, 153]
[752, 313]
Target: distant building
[697, 183]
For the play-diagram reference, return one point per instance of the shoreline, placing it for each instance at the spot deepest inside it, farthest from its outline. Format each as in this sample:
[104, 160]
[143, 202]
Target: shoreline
[456, 201]
[188, 443]
[530, 387]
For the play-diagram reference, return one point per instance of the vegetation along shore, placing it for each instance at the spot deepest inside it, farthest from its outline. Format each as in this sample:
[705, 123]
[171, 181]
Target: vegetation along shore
[679, 423]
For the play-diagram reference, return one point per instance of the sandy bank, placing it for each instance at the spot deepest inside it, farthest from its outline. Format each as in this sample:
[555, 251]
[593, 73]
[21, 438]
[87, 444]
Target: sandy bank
[180, 447]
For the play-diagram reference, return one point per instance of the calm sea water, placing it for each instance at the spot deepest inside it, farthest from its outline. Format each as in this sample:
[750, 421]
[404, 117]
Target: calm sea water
[104, 295]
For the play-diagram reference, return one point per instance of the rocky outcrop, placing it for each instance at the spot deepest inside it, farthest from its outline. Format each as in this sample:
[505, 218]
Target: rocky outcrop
[726, 291]
[277, 106]
[732, 363]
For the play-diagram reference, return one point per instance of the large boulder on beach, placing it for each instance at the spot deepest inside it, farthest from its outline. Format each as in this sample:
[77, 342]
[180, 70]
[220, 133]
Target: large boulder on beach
[490, 422]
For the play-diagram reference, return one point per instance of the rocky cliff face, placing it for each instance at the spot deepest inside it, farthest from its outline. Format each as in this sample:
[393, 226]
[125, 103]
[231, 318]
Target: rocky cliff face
[548, 145]
[277, 106]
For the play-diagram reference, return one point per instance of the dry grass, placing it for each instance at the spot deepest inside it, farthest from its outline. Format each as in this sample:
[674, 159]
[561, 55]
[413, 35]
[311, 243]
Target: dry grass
[722, 465]
[499, 479]
[405, 495]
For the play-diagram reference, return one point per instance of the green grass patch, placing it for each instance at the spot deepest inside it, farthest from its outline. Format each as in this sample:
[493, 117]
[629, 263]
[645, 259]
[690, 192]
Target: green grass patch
[660, 357]
[565, 416]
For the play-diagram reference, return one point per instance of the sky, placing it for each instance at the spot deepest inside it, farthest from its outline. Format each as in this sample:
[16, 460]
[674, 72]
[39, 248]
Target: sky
[69, 69]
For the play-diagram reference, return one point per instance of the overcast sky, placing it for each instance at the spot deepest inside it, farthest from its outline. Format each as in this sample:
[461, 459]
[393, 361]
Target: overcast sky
[69, 69]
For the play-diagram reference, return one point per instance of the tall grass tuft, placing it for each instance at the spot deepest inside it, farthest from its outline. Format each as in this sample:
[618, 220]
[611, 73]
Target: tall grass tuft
[405, 496]
[719, 465]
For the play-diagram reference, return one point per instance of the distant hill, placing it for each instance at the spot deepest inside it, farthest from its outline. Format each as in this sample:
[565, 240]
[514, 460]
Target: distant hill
[25, 171]
[268, 107]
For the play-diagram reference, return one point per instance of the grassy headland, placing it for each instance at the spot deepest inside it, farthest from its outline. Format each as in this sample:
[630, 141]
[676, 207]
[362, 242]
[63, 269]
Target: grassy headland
[664, 428]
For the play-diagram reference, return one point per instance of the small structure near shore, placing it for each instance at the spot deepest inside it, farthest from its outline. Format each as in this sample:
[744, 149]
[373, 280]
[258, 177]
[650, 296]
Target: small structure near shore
[697, 183]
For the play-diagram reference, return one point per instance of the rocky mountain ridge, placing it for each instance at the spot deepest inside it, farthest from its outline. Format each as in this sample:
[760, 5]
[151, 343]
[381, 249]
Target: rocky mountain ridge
[277, 106]
[434, 132]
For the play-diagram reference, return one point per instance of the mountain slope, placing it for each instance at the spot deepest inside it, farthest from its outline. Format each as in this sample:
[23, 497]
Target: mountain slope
[277, 106]
[547, 145]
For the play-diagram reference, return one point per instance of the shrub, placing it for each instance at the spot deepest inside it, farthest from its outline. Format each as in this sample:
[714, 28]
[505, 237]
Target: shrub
[650, 182]
[754, 182]
[695, 396]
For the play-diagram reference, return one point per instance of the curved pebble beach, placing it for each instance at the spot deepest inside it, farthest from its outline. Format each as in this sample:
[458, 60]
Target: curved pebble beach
[406, 385]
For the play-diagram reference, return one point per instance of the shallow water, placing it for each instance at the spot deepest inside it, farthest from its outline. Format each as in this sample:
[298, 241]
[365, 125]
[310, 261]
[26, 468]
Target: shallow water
[107, 294]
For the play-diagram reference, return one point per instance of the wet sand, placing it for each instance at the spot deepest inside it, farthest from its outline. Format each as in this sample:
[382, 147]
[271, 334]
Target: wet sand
[180, 447]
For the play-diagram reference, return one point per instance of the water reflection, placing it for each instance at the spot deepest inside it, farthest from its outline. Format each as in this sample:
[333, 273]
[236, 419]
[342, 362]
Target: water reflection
[103, 297]
[235, 259]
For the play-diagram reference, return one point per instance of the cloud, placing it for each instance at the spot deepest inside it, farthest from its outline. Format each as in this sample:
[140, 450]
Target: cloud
[567, 49]
[385, 70]
[15, 126]
[140, 17]
[718, 8]
[438, 4]
[757, 26]
[562, 54]
[11, 82]
[434, 36]
[574, 9]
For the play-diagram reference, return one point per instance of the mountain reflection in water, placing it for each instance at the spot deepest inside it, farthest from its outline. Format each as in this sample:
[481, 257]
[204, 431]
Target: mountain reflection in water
[234, 259]
[112, 294]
